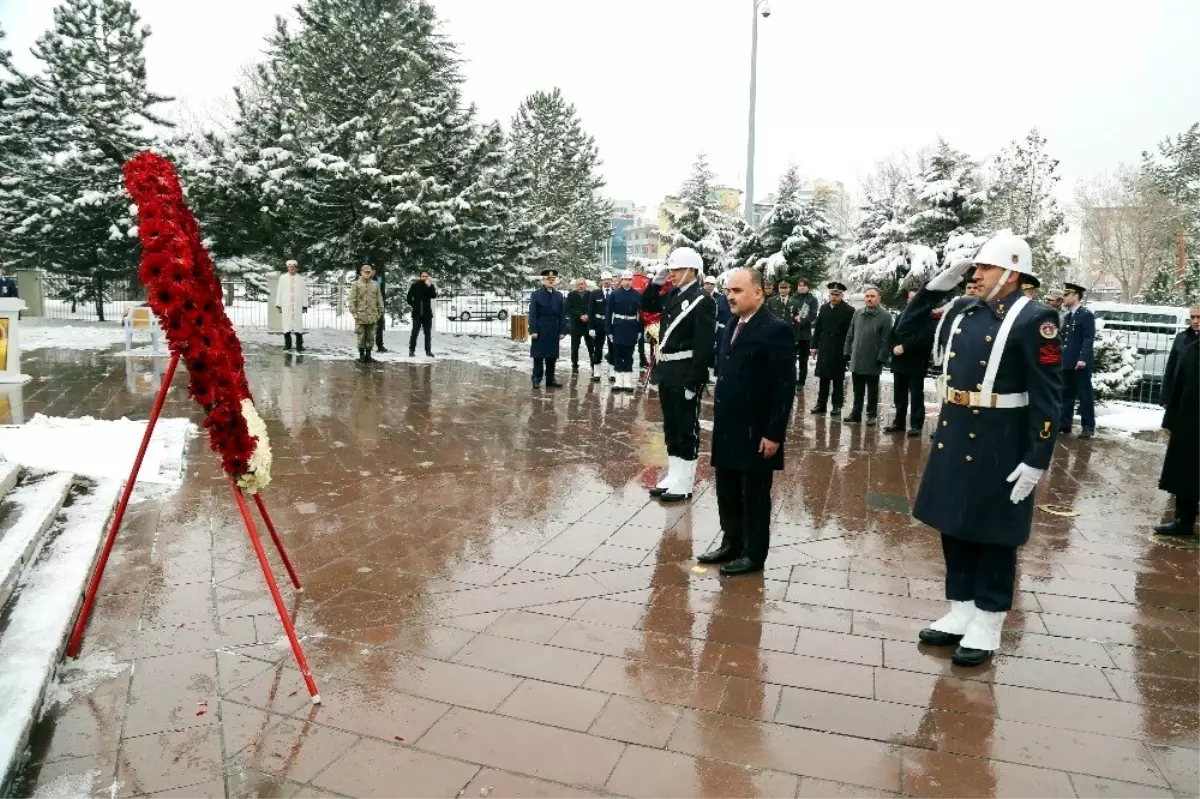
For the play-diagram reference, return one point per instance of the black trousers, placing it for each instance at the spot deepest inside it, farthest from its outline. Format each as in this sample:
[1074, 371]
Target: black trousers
[908, 391]
[681, 422]
[744, 507]
[1187, 507]
[802, 360]
[868, 385]
[576, 335]
[839, 391]
[424, 324]
[642, 351]
[985, 573]
[598, 345]
[543, 366]
[621, 357]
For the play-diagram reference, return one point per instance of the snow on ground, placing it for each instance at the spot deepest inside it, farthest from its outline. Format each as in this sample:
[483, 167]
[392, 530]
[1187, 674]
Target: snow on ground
[1128, 417]
[72, 337]
[337, 345]
[82, 676]
[98, 448]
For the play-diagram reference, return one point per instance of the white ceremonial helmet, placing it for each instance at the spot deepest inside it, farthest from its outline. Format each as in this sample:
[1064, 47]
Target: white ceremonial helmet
[710, 279]
[627, 274]
[605, 276]
[290, 262]
[1010, 252]
[685, 258]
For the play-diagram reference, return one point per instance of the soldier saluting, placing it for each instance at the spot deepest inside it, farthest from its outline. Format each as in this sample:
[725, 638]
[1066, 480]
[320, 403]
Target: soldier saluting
[1001, 382]
[685, 353]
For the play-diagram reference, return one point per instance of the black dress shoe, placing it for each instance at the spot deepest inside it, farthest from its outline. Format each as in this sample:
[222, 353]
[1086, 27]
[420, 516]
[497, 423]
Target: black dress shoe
[872, 421]
[893, 428]
[574, 368]
[1088, 434]
[553, 384]
[428, 354]
[914, 432]
[666, 496]
[381, 348]
[1064, 431]
[742, 565]
[1175, 527]
[657, 492]
[851, 418]
[938, 638]
[818, 411]
[722, 554]
[412, 353]
[964, 656]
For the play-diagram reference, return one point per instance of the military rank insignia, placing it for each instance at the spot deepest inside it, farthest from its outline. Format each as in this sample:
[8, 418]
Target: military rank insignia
[1048, 330]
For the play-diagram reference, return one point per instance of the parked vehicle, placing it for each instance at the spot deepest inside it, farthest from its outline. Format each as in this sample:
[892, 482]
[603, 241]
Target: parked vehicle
[1150, 328]
[479, 307]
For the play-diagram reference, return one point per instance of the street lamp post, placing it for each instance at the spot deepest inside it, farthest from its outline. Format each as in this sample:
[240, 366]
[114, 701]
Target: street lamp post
[764, 8]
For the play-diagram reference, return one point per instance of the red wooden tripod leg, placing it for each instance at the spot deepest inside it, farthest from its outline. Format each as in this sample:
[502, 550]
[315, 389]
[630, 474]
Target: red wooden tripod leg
[98, 572]
[287, 563]
[271, 584]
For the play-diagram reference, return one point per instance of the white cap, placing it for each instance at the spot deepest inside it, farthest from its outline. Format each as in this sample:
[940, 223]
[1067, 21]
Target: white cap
[685, 258]
[290, 262]
[710, 279]
[1007, 251]
[605, 276]
[627, 274]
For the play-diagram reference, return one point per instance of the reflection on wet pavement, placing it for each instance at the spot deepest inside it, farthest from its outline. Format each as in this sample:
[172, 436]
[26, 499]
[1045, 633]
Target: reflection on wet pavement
[493, 608]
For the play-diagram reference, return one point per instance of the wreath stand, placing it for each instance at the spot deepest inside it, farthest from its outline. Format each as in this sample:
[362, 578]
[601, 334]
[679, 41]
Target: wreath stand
[239, 497]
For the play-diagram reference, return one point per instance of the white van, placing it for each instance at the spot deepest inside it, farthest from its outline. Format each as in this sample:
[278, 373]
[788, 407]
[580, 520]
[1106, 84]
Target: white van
[1150, 328]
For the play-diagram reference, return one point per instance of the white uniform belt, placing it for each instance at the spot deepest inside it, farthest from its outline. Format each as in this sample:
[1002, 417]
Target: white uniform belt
[984, 399]
[631, 316]
[682, 355]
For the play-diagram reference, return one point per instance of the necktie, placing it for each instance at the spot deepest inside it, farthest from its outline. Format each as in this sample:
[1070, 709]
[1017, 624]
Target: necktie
[737, 331]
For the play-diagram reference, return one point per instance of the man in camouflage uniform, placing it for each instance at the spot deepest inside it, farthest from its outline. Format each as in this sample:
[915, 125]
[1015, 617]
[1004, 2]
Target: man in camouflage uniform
[366, 306]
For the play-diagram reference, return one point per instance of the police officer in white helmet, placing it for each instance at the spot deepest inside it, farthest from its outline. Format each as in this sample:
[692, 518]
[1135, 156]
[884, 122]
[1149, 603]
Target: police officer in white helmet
[685, 354]
[1000, 362]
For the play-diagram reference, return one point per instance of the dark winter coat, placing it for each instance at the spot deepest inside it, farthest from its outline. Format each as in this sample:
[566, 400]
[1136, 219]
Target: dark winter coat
[1078, 335]
[596, 310]
[622, 320]
[866, 347]
[918, 346]
[577, 307]
[756, 386]
[693, 334]
[420, 297]
[1181, 467]
[548, 319]
[806, 314]
[964, 492]
[8, 287]
[1181, 343]
[829, 339]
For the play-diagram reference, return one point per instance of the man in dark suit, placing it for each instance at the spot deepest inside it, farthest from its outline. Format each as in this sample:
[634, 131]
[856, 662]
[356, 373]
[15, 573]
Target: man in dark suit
[577, 318]
[828, 347]
[1078, 336]
[753, 403]
[910, 364]
[597, 332]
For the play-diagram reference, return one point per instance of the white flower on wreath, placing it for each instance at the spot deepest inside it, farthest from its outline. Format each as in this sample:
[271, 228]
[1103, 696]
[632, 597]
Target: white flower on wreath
[652, 331]
[258, 471]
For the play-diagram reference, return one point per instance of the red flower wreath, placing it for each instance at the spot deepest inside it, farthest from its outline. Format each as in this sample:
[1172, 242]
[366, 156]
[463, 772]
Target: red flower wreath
[183, 290]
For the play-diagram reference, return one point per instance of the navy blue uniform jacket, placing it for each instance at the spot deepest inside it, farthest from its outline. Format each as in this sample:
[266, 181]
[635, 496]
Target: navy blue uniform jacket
[755, 390]
[622, 329]
[694, 334]
[1078, 335]
[595, 309]
[8, 287]
[964, 492]
[547, 318]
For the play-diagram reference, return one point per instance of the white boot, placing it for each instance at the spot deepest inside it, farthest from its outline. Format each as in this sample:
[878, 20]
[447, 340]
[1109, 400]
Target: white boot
[983, 632]
[627, 381]
[685, 477]
[957, 620]
[668, 479]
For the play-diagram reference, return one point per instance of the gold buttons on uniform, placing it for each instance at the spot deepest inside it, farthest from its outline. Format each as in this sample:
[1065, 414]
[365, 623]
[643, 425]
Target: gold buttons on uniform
[945, 424]
[975, 411]
[941, 445]
[987, 338]
[952, 355]
[983, 363]
[979, 386]
[970, 435]
[970, 458]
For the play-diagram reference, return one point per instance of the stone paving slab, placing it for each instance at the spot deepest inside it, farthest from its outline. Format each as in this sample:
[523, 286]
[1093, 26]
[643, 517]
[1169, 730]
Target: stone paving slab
[493, 607]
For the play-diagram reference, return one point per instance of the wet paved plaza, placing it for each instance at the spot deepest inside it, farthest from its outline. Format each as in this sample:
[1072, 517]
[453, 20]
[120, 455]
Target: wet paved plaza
[493, 607]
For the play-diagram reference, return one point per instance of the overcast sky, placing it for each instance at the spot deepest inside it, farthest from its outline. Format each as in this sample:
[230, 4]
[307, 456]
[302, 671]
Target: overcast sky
[840, 83]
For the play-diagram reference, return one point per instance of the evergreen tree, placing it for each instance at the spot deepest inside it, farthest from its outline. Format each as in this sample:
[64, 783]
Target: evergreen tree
[557, 163]
[1022, 200]
[793, 240]
[949, 212]
[1114, 369]
[1175, 172]
[700, 222]
[352, 145]
[62, 201]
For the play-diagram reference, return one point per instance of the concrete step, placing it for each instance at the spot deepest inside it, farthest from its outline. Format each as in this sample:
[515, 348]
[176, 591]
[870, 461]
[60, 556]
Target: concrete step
[9, 473]
[25, 513]
[37, 620]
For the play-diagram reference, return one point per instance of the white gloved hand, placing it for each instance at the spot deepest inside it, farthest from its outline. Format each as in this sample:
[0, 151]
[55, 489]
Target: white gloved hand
[688, 394]
[1024, 479]
[591, 333]
[660, 277]
[949, 277]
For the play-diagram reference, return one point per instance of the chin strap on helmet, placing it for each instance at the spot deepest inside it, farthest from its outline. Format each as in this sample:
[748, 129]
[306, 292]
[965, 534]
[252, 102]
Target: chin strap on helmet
[999, 284]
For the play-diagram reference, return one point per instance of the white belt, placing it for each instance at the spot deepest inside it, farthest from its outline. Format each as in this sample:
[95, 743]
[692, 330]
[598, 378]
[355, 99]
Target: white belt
[985, 399]
[625, 316]
[682, 355]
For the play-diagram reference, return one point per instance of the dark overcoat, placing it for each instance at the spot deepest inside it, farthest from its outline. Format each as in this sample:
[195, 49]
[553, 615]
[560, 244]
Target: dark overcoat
[1181, 468]
[918, 346]
[547, 318]
[965, 492]
[622, 320]
[806, 314]
[686, 347]
[829, 339]
[596, 311]
[756, 386]
[577, 308]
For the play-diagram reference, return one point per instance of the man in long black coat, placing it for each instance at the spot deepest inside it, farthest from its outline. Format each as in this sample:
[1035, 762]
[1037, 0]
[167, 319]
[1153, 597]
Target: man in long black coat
[756, 385]
[577, 318]
[910, 364]
[828, 346]
[1181, 468]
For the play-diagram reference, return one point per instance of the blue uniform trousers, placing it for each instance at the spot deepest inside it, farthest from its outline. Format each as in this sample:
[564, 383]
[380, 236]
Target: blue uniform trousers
[1077, 384]
[622, 357]
[985, 573]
